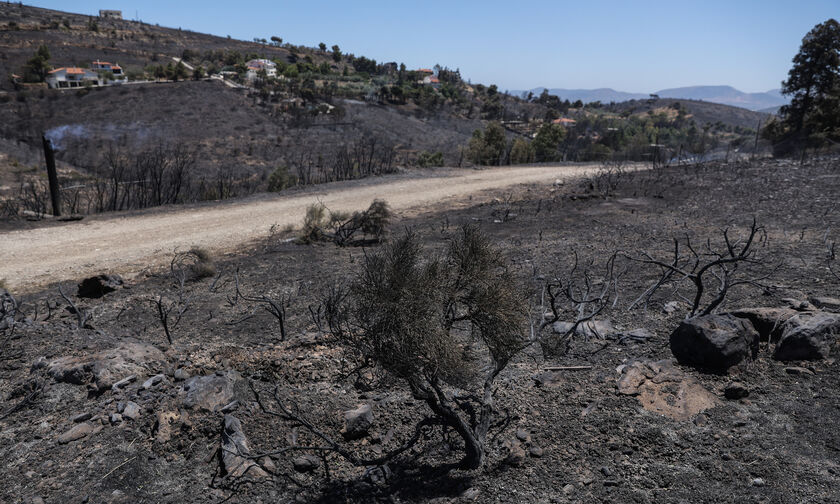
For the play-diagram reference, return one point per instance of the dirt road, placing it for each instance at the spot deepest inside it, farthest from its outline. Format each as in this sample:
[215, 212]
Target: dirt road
[128, 243]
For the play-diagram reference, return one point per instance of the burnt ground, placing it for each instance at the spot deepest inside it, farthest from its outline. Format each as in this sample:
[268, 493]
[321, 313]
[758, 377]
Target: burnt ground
[779, 444]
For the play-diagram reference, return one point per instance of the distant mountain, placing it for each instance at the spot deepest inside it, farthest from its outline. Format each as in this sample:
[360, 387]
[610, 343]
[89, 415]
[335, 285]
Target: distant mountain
[726, 95]
[604, 95]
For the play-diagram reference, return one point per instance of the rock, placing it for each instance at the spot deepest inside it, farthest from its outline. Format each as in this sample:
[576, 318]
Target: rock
[234, 446]
[81, 417]
[796, 370]
[131, 410]
[767, 321]
[523, 436]
[165, 424]
[536, 451]
[268, 464]
[305, 463]
[671, 307]
[799, 304]
[736, 390]
[569, 489]
[357, 422]
[115, 418]
[826, 303]
[606, 471]
[76, 432]
[590, 329]
[640, 335]
[151, 382]
[516, 454]
[106, 367]
[757, 482]
[230, 407]
[122, 383]
[714, 341]
[98, 286]
[211, 392]
[808, 336]
[664, 389]
[181, 374]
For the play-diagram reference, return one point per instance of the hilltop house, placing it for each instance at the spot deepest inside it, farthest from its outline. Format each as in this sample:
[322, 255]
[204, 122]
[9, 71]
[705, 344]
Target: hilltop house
[431, 80]
[565, 122]
[255, 65]
[72, 77]
[110, 14]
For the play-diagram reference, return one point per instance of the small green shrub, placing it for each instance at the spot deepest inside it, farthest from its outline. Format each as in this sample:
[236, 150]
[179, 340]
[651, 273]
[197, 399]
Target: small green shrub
[280, 179]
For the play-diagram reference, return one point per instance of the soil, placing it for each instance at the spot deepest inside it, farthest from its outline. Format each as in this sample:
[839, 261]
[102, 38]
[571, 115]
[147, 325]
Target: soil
[583, 440]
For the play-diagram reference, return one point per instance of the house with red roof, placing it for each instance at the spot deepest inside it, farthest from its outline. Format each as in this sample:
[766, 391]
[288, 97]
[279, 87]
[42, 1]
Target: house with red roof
[104, 66]
[72, 77]
[565, 122]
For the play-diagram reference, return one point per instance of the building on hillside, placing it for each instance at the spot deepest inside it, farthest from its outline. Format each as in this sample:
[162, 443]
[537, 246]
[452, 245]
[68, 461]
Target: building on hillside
[72, 77]
[255, 65]
[110, 14]
[431, 80]
[565, 122]
[104, 66]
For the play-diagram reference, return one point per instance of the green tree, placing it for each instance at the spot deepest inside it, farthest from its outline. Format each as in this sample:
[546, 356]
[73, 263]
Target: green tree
[813, 116]
[521, 152]
[323, 47]
[336, 53]
[198, 73]
[38, 65]
[487, 147]
[546, 143]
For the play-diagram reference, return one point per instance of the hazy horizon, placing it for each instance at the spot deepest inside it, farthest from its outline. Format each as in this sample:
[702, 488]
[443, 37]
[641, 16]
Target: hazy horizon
[637, 48]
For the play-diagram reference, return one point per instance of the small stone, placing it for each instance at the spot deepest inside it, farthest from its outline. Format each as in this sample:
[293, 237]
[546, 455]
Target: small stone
[798, 370]
[122, 383]
[569, 489]
[736, 390]
[268, 464]
[606, 471]
[471, 493]
[671, 307]
[516, 456]
[726, 456]
[757, 482]
[77, 432]
[181, 374]
[151, 382]
[611, 483]
[536, 451]
[523, 435]
[81, 417]
[229, 407]
[131, 410]
[115, 418]
[305, 463]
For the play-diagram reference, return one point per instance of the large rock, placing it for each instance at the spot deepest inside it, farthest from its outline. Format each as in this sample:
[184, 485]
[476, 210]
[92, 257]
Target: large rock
[714, 341]
[211, 392]
[808, 336]
[98, 286]
[235, 451]
[78, 431]
[357, 422]
[107, 367]
[769, 322]
[664, 389]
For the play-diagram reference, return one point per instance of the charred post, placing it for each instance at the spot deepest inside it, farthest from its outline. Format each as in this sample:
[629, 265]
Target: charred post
[52, 175]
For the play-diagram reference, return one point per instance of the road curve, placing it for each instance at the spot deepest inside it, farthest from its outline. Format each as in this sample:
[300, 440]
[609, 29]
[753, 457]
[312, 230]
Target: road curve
[126, 244]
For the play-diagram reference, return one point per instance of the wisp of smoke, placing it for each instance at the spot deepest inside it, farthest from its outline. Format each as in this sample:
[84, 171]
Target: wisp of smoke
[59, 134]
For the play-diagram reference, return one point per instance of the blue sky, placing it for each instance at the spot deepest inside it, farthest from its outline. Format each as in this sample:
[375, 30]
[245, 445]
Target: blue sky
[637, 46]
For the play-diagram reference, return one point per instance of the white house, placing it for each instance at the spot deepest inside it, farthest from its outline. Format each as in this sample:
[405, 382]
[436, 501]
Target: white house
[104, 66]
[255, 65]
[72, 77]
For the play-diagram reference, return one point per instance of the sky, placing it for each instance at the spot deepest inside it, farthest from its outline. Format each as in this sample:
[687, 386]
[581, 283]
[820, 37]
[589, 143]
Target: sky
[631, 45]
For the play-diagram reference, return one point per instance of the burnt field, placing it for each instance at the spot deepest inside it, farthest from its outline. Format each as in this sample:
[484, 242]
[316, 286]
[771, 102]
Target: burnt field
[244, 403]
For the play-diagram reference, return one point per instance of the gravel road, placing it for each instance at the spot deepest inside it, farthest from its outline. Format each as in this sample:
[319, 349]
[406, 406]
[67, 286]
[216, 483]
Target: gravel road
[128, 243]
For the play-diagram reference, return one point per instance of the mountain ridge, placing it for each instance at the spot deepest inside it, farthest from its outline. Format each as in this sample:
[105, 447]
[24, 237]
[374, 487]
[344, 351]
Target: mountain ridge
[723, 94]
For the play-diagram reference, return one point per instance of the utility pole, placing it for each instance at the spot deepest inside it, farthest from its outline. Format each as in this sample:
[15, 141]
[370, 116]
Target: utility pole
[52, 175]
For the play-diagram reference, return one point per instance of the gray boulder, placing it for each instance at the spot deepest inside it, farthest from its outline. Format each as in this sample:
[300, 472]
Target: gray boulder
[808, 336]
[715, 342]
[769, 322]
[357, 422]
[211, 392]
[107, 367]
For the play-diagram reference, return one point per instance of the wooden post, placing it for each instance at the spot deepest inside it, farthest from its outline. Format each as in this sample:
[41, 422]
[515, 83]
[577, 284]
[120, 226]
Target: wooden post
[49, 156]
